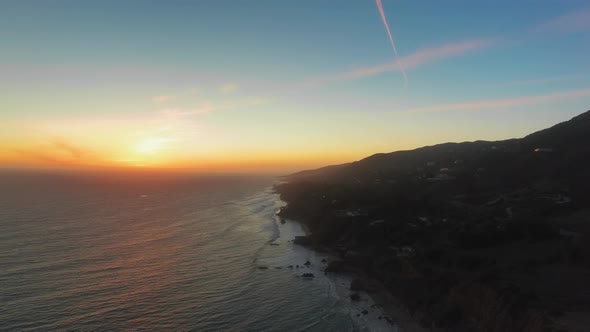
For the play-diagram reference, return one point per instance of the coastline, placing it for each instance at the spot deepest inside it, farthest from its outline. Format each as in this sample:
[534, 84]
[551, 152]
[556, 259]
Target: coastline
[373, 311]
[382, 305]
[471, 236]
[366, 314]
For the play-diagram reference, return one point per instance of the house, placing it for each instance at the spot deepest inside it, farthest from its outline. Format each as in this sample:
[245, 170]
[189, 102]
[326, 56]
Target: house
[350, 213]
[406, 251]
[543, 150]
[376, 222]
[442, 177]
[561, 199]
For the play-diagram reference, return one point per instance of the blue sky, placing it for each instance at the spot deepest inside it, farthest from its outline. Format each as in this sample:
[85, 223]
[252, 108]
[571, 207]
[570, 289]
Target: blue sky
[319, 75]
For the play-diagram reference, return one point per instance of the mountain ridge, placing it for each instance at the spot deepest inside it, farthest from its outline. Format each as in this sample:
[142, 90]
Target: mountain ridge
[572, 131]
[476, 236]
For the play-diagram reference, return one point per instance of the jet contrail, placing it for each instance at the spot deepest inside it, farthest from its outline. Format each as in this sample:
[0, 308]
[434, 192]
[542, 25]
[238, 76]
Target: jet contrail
[401, 67]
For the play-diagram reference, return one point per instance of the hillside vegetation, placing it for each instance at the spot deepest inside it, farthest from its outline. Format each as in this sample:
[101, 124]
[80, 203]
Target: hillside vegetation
[474, 236]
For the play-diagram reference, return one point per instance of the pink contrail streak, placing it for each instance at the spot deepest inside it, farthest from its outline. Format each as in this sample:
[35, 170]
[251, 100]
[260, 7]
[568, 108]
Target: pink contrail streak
[401, 67]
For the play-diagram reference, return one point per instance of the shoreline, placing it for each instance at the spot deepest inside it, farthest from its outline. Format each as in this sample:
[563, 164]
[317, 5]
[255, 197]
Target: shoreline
[374, 317]
[391, 308]
[430, 285]
[380, 313]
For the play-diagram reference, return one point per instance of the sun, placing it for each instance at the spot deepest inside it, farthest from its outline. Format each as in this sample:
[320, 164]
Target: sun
[151, 145]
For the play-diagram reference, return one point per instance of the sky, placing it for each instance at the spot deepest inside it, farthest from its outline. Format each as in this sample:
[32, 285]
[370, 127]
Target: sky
[243, 85]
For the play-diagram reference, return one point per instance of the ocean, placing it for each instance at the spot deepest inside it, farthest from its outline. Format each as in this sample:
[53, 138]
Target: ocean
[100, 251]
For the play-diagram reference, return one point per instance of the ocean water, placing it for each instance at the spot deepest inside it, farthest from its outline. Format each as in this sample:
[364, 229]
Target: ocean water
[86, 251]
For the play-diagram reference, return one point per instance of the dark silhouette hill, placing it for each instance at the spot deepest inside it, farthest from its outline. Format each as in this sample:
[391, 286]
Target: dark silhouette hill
[472, 236]
[559, 153]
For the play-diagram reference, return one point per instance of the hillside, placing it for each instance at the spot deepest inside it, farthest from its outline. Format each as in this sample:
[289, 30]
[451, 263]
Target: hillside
[566, 139]
[473, 236]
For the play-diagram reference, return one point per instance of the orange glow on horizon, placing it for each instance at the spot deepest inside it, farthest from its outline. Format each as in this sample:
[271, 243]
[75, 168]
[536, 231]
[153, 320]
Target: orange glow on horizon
[149, 154]
[161, 143]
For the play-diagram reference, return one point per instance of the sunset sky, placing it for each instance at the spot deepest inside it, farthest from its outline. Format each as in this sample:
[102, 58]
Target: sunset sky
[277, 84]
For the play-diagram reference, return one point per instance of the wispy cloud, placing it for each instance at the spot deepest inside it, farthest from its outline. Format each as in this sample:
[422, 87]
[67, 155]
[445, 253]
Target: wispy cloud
[570, 22]
[67, 148]
[204, 108]
[228, 88]
[544, 80]
[503, 102]
[208, 107]
[414, 60]
[163, 98]
[55, 151]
